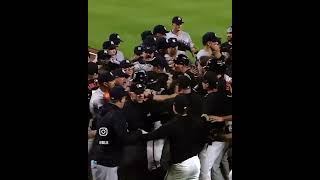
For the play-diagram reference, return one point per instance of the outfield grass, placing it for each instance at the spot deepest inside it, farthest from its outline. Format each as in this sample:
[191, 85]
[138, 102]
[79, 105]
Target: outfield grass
[130, 17]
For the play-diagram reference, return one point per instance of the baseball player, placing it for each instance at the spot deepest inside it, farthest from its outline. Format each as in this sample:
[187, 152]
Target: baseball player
[160, 31]
[181, 36]
[209, 41]
[227, 46]
[182, 132]
[116, 39]
[214, 103]
[112, 135]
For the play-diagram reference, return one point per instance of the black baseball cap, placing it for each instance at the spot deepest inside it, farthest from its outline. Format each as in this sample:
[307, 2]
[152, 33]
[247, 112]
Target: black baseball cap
[144, 34]
[138, 88]
[181, 103]
[148, 49]
[152, 77]
[161, 43]
[161, 29]
[172, 42]
[177, 20]
[119, 73]
[183, 82]
[149, 41]
[92, 68]
[210, 77]
[210, 36]
[154, 62]
[125, 64]
[105, 77]
[139, 76]
[138, 50]
[182, 60]
[109, 45]
[115, 38]
[117, 93]
[102, 55]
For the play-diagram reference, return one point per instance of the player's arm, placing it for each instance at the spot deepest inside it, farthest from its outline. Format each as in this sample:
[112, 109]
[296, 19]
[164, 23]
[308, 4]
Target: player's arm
[92, 134]
[213, 118]
[151, 95]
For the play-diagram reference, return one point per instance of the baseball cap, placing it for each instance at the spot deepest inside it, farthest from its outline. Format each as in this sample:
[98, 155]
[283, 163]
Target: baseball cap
[139, 76]
[105, 77]
[119, 73]
[182, 60]
[125, 64]
[229, 30]
[152, 77]
[172, 42]
[177, 20]
[109, 45]
[183, 82]
[117, 93]
[161, 43]
[138, 88]
[144, 34]
[154, 62]
[148, 49]
[149, 41]
[115, 38]
[210, 77]
[181, 103]
[138, 50]
[210, 36]
[160, 29]
[92, 68]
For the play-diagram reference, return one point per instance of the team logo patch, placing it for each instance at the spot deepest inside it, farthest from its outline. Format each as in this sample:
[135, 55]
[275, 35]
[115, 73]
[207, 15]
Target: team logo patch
[103, 131]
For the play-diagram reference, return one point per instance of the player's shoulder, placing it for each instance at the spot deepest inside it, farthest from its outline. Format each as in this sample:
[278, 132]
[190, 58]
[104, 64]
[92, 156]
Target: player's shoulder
[169, 35]
[185, 33]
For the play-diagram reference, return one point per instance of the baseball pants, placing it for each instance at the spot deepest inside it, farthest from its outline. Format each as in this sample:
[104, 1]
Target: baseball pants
[186, 170]
[209, 157]
[104, 173]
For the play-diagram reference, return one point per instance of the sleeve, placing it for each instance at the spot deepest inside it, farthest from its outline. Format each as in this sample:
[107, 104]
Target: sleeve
[191, 44]
[91, 105]
[120, 56]
[162, 132]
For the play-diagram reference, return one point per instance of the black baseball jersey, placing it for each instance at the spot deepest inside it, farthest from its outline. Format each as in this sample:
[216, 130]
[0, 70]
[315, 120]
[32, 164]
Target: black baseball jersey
[112, 135]
[215, 103]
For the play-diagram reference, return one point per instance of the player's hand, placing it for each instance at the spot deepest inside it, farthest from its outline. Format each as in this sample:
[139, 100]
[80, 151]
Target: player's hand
[143, 131]
[229, 87]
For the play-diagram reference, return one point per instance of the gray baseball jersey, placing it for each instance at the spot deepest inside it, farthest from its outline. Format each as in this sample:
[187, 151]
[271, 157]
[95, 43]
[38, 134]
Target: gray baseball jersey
[117, 58]
[201, 53]
[183, 37]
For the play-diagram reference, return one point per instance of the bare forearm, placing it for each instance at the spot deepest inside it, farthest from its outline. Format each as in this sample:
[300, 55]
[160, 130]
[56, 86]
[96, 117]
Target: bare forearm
[163, 97]
[214, 118]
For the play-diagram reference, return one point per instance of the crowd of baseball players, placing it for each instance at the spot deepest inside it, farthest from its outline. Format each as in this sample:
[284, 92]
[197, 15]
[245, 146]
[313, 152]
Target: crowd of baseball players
[164, 113]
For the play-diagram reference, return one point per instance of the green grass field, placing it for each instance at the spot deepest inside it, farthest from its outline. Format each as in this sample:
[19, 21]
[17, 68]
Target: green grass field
[130, 17]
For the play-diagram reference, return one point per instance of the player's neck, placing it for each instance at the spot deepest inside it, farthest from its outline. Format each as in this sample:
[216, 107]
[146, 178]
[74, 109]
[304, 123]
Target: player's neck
[208, 49]
[216, 54]
[176, 32]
